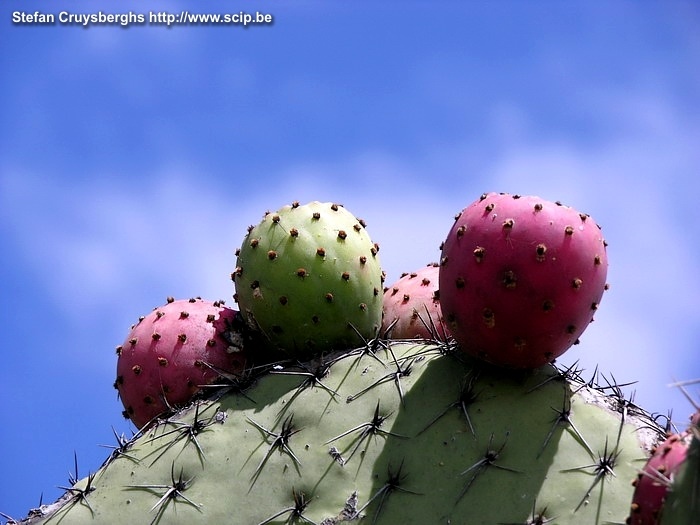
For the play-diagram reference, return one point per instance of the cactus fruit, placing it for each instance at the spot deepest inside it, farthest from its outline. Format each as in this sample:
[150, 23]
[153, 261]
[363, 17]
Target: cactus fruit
[412, 306]
[172, 352]
[405, 433]
[667, 488]
[682, 506]
[654, 481]
[309, 278]
[521, 278]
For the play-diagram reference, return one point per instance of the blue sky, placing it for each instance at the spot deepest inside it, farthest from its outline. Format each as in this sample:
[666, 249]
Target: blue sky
[132, 160]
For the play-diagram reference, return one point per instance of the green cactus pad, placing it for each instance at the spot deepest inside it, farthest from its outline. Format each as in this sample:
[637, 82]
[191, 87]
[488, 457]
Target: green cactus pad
[408, 433]
[309, 278]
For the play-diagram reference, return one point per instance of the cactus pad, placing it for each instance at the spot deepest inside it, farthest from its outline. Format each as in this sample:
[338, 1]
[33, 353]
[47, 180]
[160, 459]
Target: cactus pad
[405, 433]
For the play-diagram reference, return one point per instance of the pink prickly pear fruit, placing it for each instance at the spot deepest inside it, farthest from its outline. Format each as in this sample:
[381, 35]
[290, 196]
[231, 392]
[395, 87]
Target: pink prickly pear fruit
[653, 482]
[412, 306]
[520, 278]
[171, 353]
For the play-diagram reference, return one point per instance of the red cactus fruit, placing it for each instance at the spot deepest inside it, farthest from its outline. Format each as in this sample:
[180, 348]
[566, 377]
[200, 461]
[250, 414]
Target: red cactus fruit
[520, 278]
[171, 353]
[653, 482]
[412, 306]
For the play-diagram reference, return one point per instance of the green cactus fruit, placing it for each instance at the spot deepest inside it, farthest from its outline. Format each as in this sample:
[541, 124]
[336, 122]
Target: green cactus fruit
[409, 433]
[309, 278]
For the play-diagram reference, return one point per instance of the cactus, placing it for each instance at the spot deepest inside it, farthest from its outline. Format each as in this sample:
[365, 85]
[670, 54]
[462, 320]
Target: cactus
[667, 489]
[172, 352]
[655, 480]
[521, 278]
[308, 277]
[412, 306]
[387, 433]
[682, 505]
[394, 430]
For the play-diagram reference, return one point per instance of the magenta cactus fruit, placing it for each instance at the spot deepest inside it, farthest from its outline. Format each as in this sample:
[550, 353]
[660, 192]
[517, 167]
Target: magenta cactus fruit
[412, 306]
[656, 478]
[520, 278]
[171, 353]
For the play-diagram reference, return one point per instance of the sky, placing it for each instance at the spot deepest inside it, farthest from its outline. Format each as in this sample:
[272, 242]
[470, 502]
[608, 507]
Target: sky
[133, 159]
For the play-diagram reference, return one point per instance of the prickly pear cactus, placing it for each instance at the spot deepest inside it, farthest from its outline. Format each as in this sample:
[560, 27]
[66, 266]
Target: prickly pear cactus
[667, 488]
[412, 307]
[172, 352]
[656, 478]
[682, 505]
[309, 278]
[521, 278]
[404, 433]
